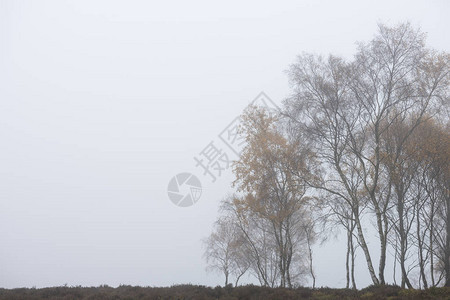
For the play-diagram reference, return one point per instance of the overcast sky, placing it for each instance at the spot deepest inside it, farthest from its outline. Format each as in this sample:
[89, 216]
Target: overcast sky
[103, 102]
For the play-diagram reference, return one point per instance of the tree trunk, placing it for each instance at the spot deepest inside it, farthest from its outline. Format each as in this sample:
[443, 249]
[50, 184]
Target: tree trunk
[420, 250]
[311, 270]
[352, 247]
[447, 242]
[403, 237]
[226, 278]
[365, 248]
[347, 261]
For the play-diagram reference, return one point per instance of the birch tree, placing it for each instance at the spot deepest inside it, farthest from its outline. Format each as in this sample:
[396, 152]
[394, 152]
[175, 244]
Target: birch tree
[346, 107]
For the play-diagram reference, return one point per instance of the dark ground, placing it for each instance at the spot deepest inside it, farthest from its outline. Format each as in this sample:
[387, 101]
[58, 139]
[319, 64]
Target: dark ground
[179, 292]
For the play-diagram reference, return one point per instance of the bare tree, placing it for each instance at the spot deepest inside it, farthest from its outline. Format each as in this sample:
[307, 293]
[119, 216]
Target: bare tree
[431, 151]
[224, 250]
[258, 249]
[322, 109]
[361, 141]
[346, 108]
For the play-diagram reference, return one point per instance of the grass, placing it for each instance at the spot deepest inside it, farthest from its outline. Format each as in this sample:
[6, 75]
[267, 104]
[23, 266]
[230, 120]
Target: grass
[251, 292]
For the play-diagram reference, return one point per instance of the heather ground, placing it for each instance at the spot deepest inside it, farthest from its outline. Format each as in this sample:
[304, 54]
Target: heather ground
[179, 292]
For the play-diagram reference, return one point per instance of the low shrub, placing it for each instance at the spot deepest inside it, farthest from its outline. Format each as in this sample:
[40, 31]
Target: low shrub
[194, 292]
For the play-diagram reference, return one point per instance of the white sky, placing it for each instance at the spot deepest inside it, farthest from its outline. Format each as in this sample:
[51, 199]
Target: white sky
[102, 102]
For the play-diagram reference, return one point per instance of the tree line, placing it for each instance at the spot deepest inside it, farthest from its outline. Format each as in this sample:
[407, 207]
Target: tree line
[361, 142]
